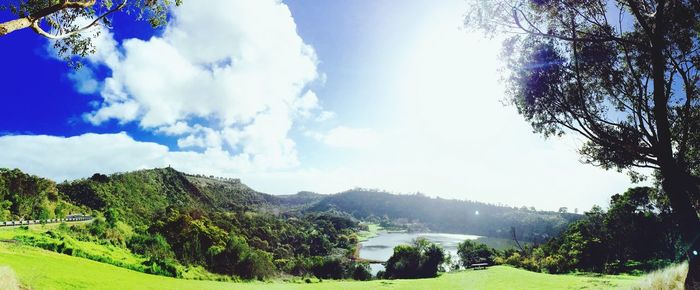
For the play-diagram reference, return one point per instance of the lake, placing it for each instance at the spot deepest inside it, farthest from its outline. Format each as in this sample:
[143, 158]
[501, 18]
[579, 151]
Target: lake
[382, 246]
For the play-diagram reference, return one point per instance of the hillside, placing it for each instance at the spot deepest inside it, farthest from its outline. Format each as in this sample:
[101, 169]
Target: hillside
[140, 195]
[447, 215]
[24, 196]
[27, 262]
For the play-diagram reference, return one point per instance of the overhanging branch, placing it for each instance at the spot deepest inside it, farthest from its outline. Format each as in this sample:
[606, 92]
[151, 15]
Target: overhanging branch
[35, 24]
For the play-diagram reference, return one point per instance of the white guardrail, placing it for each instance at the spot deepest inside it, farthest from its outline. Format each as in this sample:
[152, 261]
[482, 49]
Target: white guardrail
[46, 221]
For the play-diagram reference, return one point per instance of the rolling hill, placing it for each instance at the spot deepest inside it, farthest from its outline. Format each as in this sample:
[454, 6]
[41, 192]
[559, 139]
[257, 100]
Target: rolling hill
[139, 195]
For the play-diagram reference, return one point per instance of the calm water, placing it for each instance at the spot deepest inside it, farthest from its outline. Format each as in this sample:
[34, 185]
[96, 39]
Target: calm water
[382, 246]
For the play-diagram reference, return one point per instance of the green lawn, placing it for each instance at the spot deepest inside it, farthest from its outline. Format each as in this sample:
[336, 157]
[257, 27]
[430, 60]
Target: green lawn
[373, 231]
[40, 269]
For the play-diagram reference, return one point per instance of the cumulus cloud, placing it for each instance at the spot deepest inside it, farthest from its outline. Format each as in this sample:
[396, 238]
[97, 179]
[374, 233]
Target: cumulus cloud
[226, 75]
[55, 156]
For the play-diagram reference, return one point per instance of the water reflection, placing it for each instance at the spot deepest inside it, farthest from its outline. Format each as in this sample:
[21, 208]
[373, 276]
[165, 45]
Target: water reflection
[382, 246]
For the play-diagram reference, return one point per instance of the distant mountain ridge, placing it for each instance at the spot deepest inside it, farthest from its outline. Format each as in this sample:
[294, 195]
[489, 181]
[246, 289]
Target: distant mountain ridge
[449, 215]
[139, 195]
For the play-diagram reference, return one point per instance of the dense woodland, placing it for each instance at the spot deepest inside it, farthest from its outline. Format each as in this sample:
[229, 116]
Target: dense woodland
[636, 234]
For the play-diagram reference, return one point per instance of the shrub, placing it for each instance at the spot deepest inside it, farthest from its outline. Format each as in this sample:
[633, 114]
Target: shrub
[329, 268]
[361, 272]
[165, 267]
[422, 260]
[671, 278]
[514, 259]
[256, 265]
[471, 252]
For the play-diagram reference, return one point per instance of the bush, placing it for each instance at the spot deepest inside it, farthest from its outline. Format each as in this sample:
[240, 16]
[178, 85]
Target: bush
[555, 264]
[362, 272]
[514, 259]
[422, 260]
[471, 252]
[164, 267]
[154, 246]
[256, 265]
[329, 268]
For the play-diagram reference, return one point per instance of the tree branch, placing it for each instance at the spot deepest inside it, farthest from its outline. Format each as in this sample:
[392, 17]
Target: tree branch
[96, 21]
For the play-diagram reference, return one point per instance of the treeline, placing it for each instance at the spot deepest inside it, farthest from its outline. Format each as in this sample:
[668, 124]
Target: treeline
[637, 234]
[446, 215]
[24, 196]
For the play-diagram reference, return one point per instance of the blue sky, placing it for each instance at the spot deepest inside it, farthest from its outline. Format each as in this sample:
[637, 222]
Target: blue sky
[298, 95]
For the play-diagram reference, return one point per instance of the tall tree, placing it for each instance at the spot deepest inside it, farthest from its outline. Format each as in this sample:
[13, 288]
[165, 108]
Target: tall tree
[621, 73]
[69, 22]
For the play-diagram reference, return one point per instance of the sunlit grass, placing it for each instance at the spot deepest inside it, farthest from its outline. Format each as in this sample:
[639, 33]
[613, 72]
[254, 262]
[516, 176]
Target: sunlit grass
[40, 269]
[371, 232]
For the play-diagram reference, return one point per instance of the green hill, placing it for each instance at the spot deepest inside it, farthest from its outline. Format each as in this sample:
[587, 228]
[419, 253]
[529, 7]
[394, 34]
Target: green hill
[449, 215]
[24, 196]
[140, 194]
[39, 269]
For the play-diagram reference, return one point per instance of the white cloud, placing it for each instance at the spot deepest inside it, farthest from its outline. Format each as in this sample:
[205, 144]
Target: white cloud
[179, 128]
[346, 137]
[84, 81]
[63, 158]
[237, 66]
[325, 116]
[307, 103]
[66, 158]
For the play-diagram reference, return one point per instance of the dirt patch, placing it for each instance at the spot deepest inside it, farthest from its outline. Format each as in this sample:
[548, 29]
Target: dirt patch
[8, 279]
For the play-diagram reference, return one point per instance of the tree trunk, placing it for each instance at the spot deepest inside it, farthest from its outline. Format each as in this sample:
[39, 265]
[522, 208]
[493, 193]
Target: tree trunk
[679, 188]
[677, 184]
[12, 25]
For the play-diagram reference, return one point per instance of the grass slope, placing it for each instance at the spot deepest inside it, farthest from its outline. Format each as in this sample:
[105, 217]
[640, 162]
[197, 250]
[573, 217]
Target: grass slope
[40, 269]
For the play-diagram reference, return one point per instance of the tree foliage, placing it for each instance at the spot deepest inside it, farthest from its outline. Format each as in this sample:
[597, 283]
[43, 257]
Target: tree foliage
[471, 252]
[420, 260]
[70, 23]
[24, 196]
[637, 234]
[622, 74]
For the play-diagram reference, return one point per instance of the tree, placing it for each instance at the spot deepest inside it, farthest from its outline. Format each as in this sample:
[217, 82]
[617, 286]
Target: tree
[623, 76]
[471, 252]
[403, 263]
[112, 217]
[69, 22]
[420, 260]
[361, 272]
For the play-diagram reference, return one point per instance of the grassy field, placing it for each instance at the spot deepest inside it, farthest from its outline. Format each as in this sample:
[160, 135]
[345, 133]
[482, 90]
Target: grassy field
[40, 269]
[373, 231]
